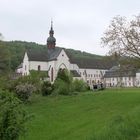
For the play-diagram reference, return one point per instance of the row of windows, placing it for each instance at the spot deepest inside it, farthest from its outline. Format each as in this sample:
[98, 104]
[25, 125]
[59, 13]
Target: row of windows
[98, 74]
[89, 75]
[92, 81]
[124, 78]
[92, 75]
[123, 84]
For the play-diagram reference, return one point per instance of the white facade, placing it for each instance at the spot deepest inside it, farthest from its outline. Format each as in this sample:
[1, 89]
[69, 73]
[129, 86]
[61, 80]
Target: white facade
[120, 81]
[91, 76]
[25, 65]
[19, 70]
[138, 79]
[36, 65]
[62, 61]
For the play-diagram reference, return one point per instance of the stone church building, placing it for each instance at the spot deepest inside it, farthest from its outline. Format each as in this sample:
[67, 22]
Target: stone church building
[54, 58]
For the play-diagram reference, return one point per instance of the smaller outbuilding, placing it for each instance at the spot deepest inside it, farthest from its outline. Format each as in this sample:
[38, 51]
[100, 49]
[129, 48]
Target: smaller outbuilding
[122, 77]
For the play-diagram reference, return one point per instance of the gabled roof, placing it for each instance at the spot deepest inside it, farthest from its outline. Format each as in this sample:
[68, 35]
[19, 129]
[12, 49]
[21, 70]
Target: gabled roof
[125, 73]
[86, 63]
[37, 55]
[116, 71]
[53, 53]
[43, 54]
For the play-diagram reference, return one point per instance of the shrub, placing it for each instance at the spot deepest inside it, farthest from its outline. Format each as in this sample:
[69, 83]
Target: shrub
[46, 88]
[79, 85]
[24, 91]
[62, 88]
[65, 75]
[35, 78]
[63, 83]
[12, 117]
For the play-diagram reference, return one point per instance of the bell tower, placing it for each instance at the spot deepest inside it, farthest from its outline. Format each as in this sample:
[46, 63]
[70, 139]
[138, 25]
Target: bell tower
[51, 41]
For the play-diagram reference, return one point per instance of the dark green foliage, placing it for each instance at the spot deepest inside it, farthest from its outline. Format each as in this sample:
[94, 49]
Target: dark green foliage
[17, 49]
[24, 91]
[12, 117]
[65, 76]
[4, 82]
[63, 83]
[79, 54]
[62, 88]
[4, 58]
[79, 85]
[46, 88]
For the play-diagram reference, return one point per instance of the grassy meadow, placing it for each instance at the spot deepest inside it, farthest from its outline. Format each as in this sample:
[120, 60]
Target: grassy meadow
[85, 116]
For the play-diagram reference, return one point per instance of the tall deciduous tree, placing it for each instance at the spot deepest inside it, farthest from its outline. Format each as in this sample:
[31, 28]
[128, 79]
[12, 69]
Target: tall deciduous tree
[123, 37]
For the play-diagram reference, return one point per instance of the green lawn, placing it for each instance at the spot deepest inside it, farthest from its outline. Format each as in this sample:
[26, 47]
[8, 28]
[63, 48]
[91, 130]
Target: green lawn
[78, 117]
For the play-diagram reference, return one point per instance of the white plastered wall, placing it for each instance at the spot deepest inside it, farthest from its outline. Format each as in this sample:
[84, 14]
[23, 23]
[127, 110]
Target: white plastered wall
[92, 75]
[138, 79]
[120, 81]
[33, 65]
[62, 62]
[25, 68]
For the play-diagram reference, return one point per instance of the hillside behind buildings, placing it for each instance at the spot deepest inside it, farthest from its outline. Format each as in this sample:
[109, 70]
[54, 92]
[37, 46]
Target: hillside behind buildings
[16, 50]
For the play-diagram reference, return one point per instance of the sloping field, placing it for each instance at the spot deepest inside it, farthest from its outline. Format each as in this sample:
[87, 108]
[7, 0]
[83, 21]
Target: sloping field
[78, 117]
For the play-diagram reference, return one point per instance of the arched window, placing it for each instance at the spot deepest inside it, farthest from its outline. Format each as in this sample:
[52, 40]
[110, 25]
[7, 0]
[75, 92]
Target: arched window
[39, 68]
[52, 75]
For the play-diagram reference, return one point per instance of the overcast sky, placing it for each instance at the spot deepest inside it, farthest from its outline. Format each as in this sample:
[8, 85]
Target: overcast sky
[78, 24]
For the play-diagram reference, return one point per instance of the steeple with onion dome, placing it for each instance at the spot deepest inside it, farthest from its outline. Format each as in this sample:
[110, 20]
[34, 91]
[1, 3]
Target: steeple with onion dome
[51, 41]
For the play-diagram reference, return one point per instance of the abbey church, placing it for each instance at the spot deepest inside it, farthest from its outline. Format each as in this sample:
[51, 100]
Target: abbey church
[53, 58]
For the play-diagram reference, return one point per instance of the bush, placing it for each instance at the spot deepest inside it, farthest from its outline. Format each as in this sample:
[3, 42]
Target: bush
[65, 75]
[35, 78]
[63, 83]
[24, 91]
[46, 88]
[62, 88]
[79, 85]
[12, 117]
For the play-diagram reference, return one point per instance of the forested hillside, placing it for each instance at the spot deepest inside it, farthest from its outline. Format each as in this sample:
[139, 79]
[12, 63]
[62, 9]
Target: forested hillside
[12, 53]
